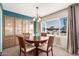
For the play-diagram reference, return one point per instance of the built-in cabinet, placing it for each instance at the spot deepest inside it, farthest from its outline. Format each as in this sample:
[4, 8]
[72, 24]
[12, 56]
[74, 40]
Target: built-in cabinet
[14, 26]
[9, 32]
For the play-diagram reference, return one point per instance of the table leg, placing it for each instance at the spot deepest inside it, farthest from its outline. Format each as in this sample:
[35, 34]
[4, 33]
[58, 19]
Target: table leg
[36, 50]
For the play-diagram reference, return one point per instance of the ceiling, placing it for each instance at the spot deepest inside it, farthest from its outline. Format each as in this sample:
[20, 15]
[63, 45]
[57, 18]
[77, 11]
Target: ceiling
[29, 9]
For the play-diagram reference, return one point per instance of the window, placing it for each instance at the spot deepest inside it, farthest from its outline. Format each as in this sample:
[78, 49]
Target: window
[43, 26]
[63, 25]
[52, 26]
[55, 26]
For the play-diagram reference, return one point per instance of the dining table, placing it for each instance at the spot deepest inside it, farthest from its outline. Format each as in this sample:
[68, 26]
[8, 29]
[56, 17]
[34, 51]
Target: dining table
[37, 41]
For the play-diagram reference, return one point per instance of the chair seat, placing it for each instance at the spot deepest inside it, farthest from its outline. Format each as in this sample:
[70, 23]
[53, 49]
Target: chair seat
[29, 48]
[43, 47]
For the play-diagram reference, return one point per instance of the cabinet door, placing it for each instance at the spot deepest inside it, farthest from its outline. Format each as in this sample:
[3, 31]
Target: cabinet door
[9, 25]
[25, 26]
[18, 26]
[6, 42]
[31, 30]
[9, 31]
[12, 41]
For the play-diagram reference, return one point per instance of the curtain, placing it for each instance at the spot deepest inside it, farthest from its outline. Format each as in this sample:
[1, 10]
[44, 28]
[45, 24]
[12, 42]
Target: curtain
[72, 44]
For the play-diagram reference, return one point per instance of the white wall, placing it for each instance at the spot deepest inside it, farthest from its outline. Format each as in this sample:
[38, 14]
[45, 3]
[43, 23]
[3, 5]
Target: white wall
[0, 28]
[58, 14]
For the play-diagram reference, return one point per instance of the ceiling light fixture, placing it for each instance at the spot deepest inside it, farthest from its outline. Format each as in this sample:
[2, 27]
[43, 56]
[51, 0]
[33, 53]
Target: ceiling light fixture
[38, 18]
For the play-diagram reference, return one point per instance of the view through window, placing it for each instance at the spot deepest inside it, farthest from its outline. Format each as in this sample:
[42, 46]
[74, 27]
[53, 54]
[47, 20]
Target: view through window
[56, 26]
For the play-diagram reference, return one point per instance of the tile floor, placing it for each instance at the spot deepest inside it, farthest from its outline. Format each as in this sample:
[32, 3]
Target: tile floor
[14, 51]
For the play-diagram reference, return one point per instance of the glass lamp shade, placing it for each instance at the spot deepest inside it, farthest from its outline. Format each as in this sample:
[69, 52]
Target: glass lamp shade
[39, 19]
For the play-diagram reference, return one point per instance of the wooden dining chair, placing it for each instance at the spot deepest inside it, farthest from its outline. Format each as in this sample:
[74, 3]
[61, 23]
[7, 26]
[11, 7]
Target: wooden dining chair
[23, 47]
[47, 47]
[43, 34]
[26, 35]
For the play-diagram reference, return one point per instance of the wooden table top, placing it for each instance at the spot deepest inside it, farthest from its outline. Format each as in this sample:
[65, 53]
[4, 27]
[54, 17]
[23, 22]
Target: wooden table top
[41, 40]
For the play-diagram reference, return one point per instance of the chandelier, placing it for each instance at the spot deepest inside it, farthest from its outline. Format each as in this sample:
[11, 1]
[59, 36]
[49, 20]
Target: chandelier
[38, 18]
